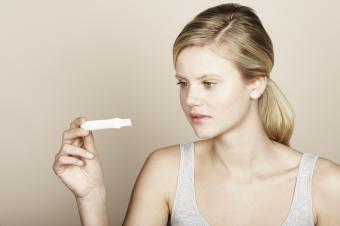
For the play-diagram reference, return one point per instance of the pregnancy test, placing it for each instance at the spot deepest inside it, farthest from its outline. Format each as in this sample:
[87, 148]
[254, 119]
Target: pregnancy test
[114, 123]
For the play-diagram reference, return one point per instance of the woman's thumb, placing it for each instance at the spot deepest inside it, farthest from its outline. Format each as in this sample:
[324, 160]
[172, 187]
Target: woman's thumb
[89, 140]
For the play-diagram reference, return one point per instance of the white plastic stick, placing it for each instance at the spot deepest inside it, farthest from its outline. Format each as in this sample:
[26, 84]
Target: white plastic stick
[114, 123]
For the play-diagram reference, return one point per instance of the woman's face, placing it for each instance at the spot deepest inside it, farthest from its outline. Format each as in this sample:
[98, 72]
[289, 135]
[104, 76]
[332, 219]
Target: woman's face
[221, 94]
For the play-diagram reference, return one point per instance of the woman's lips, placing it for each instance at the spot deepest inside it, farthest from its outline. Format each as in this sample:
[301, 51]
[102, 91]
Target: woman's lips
[198, 115]
[199, 118]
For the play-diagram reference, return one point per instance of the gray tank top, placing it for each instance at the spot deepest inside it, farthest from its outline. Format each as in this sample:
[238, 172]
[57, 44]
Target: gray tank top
[185, 211]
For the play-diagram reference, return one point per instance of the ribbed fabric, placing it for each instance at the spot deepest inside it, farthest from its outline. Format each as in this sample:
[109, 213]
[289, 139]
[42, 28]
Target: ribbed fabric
[185, 211]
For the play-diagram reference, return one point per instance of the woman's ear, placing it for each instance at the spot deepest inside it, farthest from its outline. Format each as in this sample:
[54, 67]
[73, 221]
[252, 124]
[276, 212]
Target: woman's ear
[257, 87]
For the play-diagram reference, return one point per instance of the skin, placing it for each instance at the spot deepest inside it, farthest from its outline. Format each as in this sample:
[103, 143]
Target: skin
[236, 149]
[240, 147]
[77, 165]
[239, 171]
[236, 164]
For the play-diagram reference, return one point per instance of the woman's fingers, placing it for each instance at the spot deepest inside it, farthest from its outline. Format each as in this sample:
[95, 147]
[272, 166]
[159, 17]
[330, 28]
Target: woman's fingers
[62, 161]
[77, 122]
[78, 142]
[70, 155]
[75, 151]
[70, 134]
[89, 142]
[68, 160]
[71, 152]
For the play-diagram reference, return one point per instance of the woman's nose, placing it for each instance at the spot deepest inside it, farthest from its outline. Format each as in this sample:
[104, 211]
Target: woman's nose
[193, 97]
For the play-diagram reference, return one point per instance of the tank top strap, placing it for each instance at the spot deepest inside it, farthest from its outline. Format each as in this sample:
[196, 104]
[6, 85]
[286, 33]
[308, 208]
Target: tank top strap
[187, 155]
[301, 208]
[183, 207]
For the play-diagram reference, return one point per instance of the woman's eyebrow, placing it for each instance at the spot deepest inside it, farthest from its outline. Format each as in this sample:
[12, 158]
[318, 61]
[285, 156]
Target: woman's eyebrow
[202, 77]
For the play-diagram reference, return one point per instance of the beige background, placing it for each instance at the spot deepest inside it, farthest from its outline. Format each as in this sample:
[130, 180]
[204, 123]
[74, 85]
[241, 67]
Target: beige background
[101, 59]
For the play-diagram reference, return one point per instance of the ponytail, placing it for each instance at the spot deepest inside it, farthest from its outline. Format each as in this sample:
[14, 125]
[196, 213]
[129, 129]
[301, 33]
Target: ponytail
[276, 114]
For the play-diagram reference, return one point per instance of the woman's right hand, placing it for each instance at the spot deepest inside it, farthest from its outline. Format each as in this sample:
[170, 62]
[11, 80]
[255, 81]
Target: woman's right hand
[80, 172]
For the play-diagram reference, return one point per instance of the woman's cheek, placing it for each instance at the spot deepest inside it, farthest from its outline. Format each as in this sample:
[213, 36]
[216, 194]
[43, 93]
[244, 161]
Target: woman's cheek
[232, 106]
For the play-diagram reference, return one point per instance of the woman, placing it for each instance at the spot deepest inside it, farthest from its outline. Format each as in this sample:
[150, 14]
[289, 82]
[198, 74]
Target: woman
[242, 171]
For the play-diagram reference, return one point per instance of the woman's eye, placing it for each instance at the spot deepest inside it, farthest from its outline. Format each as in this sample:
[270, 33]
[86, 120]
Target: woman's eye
[180, 83]
[208, 84]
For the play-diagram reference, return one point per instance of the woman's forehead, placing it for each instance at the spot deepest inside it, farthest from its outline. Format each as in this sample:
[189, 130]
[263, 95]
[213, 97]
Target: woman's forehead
[196, 62]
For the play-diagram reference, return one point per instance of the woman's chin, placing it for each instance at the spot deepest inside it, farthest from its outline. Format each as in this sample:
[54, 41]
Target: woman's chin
[202, 135]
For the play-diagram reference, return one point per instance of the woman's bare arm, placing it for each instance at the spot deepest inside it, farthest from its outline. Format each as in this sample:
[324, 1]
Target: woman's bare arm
[92, 209]
[77, 165]
[149, 199]
[82, 174]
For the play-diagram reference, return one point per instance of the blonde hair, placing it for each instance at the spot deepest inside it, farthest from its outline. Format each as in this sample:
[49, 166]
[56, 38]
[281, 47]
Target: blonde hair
[236, 33]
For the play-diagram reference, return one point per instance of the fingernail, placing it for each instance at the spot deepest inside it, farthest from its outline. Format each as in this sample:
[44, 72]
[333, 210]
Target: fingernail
[89, 155]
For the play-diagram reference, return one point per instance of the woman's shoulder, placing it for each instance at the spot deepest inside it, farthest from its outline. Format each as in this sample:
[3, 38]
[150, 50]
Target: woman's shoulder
[167, 159]
[167, 154]
[326, 191]
[171, 154]
[327, 174]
